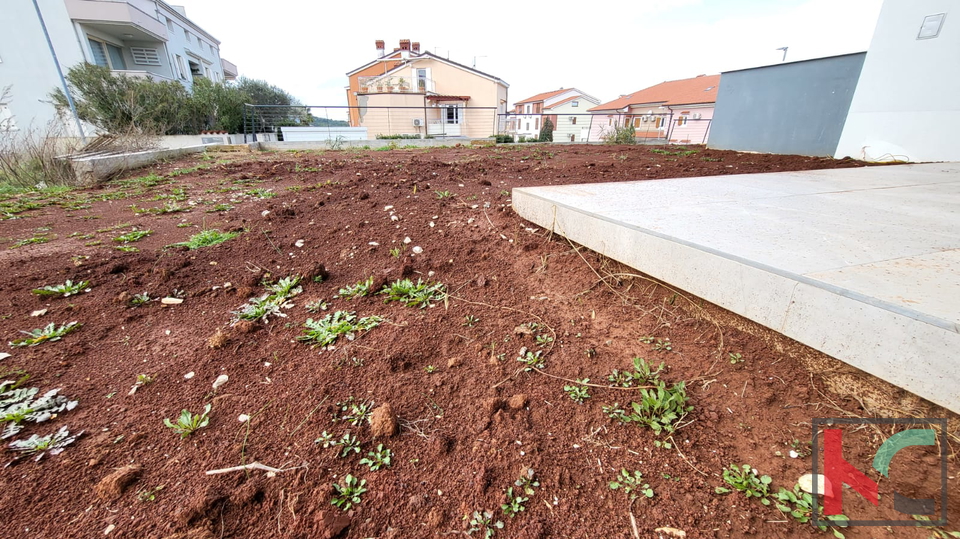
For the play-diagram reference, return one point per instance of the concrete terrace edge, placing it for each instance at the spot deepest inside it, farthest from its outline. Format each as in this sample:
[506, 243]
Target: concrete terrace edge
[903, 347]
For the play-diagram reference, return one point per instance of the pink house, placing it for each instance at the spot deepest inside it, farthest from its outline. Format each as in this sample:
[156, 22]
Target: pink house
[677, 111]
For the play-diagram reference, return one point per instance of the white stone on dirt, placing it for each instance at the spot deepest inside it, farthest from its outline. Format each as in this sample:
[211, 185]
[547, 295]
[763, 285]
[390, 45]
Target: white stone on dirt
[387, 208]
[794, 454]
[407, 240]
[375, 244]
[222, 379]
[243, 418]
[298, 244]
[806, 483]
[189, 375]
[4, 355]
[39, 312]
[171, 301]
[417, 249]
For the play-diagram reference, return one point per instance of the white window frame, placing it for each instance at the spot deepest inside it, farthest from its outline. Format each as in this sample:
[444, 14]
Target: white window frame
[575, 103]
[170, 27]
[181, 67]
[527, 108]
[106, 52]
[457, 115]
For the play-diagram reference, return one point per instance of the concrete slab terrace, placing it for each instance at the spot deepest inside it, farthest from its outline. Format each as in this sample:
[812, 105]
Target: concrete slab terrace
[862, 264]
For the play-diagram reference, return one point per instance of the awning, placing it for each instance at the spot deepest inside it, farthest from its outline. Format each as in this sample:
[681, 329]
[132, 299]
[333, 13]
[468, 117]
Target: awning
[448, 97]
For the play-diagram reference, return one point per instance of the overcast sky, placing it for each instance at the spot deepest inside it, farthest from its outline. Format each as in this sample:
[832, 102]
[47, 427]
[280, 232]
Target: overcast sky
[601, 47]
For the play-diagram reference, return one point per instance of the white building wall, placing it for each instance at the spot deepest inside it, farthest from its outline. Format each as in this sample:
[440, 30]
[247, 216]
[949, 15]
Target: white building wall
[25, 62]
[906, 104]
[567, 127]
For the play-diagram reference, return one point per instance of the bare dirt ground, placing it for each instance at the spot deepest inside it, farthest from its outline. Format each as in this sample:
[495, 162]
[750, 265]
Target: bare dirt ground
[470, 420]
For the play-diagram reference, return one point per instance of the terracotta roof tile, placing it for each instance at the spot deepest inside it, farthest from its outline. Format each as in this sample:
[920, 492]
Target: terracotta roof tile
[562, 101]
[701, 89]
[543, 96]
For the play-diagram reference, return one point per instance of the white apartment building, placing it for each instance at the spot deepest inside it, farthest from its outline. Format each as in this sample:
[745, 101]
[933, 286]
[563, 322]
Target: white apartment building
[137, 38]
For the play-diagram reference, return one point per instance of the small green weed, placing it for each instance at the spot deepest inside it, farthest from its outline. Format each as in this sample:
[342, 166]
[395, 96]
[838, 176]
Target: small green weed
[133, 235]
[799, 505]
[631, 484]
[377, 459]
[350, 493]
[659, 408]
[206, 238]
[41, 445]
[643, 374]
[188, 423]
[414, 295]
[484, 523]
[139, 300]
[29, 241]
[327, 330]
[354, 412]
[579, 393]
[316, 306]
[531, 359]
[48, 333]
[430, 369]
[735, 358]
[150, 494]
[746, 480]
[67, 289]
[470, 320]
[514, 505]
[357, 290]
[935, 533]
[348, 442]
[18, 405]
[444, 194]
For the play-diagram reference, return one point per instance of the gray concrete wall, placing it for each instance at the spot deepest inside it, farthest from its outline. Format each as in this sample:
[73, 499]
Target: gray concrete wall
[790, 108]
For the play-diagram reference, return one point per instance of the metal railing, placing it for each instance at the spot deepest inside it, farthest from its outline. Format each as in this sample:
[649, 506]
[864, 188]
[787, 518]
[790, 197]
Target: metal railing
[372, 122]
[448, 120]
[662, 128]
[394, 84]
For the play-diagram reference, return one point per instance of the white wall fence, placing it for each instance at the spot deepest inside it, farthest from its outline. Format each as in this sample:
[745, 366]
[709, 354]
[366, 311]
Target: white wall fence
[310, 134]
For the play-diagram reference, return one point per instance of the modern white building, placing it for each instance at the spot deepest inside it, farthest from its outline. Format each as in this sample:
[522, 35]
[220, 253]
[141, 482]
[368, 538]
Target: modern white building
[562, 107]
[138, 38]
[905, 106]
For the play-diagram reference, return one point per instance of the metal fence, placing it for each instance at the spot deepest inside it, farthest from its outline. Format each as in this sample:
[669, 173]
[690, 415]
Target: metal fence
[439, 120]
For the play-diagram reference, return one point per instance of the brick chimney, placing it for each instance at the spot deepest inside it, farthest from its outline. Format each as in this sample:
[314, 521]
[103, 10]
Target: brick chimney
[380, 47]
[415, 47]
[404, 44]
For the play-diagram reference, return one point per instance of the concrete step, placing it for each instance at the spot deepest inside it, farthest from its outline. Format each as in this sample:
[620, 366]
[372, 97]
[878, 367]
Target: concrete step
[862, 264]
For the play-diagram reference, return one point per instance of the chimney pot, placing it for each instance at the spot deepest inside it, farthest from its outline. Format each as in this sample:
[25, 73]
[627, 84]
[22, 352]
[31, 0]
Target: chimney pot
[380, 46]
[404, 44]
[416, 46]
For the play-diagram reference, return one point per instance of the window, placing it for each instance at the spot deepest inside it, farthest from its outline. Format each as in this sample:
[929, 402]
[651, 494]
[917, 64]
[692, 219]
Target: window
[169, 25]
[636, 122]
[144, 56]
[573, 138]
[181, 68]
[575, 104]
[195, 69]
[186, 34]
[452, 115]
[536, 124]
[7, 123]
[106, 55]
[422, 80]
[610, 121]
[527, 109]
[206, 72]
[528, 127]
[573, 120]
[681, 120]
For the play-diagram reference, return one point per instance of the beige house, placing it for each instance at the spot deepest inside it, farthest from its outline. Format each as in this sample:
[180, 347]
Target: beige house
[409, 92]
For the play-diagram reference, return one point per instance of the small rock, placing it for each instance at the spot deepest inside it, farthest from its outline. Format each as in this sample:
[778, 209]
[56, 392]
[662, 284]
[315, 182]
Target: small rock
[806, 484]
[417, 249]
[4, 355]
[387, 208]
[517, 402]
[794, 454]
[218, 383]
[243, 418]
[523, 329]
[373, 243]
[672, 532]
[171, 301]
[454, 362]
[383, 422]
[407, 240]
[113, 485]
[264, 213]
[109, 529]
[245, 326]
[40, 312]
[298, 244]
[189, 375]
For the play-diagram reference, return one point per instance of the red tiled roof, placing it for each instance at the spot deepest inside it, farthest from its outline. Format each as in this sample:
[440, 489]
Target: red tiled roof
[543, 96]
[702, 89]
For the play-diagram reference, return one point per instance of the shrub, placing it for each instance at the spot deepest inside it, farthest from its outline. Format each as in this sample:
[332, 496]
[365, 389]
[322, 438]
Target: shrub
[546, 131]
[620, 135]
[504, 139]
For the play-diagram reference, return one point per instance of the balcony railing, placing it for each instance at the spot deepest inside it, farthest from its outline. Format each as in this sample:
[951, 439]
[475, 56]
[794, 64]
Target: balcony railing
[141, 74]
[393, 84]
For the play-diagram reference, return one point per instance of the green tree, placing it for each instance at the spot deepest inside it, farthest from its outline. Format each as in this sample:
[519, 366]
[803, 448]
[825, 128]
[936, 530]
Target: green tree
[546, 131]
